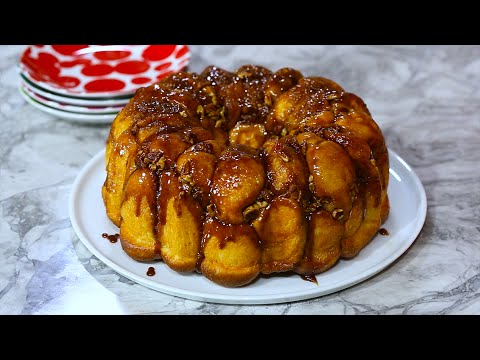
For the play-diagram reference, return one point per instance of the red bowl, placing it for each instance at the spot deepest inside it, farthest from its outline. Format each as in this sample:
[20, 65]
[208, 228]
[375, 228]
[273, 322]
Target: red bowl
[100, 70]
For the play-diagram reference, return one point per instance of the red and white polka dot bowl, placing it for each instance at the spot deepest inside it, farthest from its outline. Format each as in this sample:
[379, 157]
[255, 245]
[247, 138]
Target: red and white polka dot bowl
[100, 71]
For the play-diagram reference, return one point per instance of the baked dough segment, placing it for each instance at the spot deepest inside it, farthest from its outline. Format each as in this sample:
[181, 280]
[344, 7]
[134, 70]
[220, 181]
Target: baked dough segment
[119, 168]
[238, 180]
[139, 216]
[231, 254]
[282, 230]
[323, 247]
[179, 228]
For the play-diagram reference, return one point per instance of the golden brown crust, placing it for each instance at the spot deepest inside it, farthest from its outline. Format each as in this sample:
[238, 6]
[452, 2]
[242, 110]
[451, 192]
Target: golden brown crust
[179, 227]
[231, 253]
[238, 180]
[287, 170]
[368, 192]
[138, 216]
[333, 175]
[238, 173]
[282, 229]
[323, 247]
[252, 135]
[119, 168]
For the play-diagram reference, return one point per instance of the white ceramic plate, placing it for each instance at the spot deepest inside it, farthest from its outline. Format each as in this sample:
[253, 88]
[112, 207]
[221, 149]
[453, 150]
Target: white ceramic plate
[71, 116]
[407, 216]
[72, 108]
[121, 101]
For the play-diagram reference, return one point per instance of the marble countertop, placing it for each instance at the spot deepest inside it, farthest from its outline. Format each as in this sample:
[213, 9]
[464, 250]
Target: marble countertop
[425, 99]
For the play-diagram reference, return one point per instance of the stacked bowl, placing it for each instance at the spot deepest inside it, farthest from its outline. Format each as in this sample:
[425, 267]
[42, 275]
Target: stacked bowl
[92, 83]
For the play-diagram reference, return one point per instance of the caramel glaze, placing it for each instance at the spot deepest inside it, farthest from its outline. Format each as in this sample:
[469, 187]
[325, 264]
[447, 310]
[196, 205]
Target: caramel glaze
[238, 180]
[181, 126]
[151, 271]
[112, 238]
[384, 232]
[166, 191]
[224, 232]
[169, 187]
[310, 278]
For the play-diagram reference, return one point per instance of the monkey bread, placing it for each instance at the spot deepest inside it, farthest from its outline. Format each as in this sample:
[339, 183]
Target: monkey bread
[236, 174]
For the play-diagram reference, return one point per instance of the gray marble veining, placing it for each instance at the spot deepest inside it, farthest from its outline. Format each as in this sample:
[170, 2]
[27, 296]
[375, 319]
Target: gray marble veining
[425, 99]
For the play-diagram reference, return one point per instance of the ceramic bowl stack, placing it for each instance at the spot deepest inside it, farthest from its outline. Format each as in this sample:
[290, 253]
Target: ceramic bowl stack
[92, 83]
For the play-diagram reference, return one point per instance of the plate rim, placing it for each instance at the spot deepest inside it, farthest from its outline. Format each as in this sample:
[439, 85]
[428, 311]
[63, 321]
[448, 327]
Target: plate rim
[105, 110]
[69, 116]
[242, 299]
